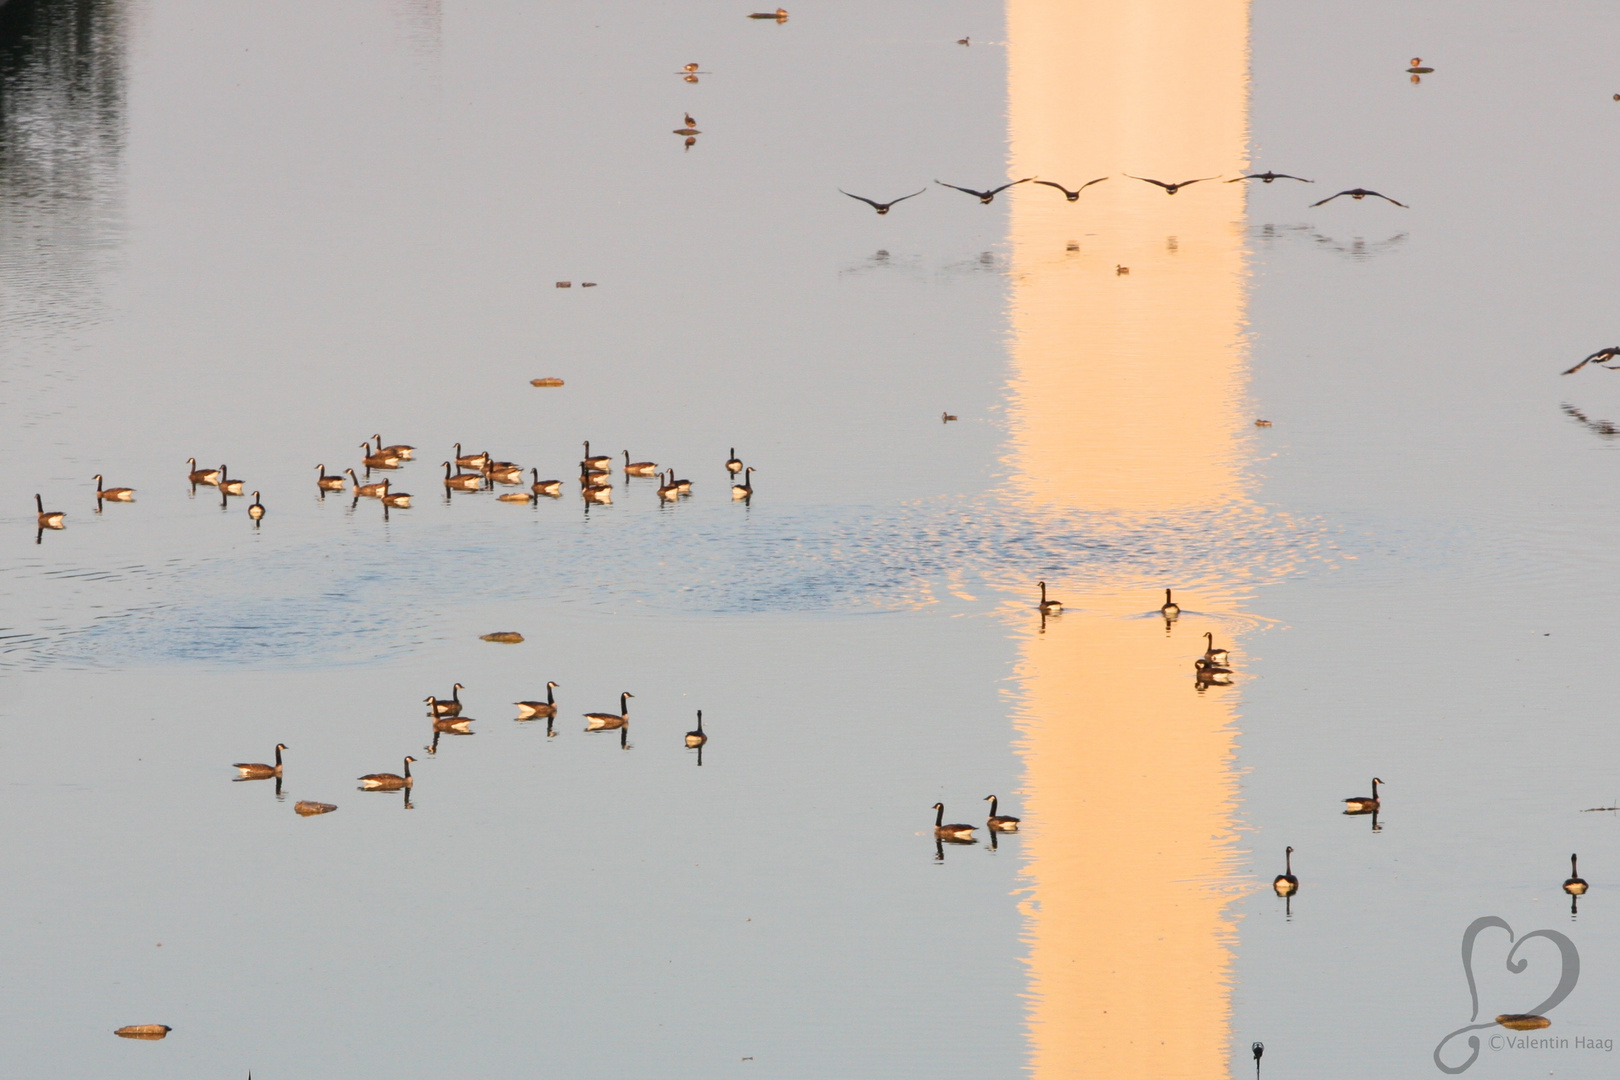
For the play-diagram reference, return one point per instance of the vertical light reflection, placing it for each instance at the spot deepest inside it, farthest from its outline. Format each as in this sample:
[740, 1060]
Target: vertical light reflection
[1127, 406]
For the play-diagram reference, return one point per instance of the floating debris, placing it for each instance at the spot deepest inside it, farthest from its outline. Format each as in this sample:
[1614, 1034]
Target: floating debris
[1523, 1021]
[946, 418]
[545, 382]
[306, 808]
[1262, 423]
[565, 284]
[1417, 67]
[781, 16]
[505, 637]
[150, 1032]
[587, 284]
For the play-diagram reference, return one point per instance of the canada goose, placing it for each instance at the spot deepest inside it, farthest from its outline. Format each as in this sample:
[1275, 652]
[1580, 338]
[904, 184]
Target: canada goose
[395, 498]
[684, 485]
[328, 483]
[1266, 178]
[461, 481]
[1170, 610]
[253, 770]
[1576, 885]
[780, 15]
[1049, 607]
[377, 461]
[671, 491]
[985, 196]
[545, 487]
[1208, 674]
[958, 833]
[399, 450]
[48, 519]
[1205, 664]
[202, 476]
[504, 472]
[114, 494]
[226, 484]
[1361, 805]
[882, 207]
[256, 511]
[370, 491]
[639, 468]
[548, 707]
[697, 738]
[1601, 357]
[601, 721]
[600, 461]
[456, 725]
[745, 489]
[1286, 884]
[999, 822]
[1171, 189]
[1072, 196]
[439, 707]
[600, 495]
[1219, 657]
[595, 478]
[471, 461]
[387, 781]
[1358, 194]
[734, 464]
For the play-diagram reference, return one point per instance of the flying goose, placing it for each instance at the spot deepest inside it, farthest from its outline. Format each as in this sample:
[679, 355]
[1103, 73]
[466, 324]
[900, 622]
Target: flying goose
[1601, 357]
[1171, 189]
[985, 196]
[1358, 194]
[1268, 176]
[882, 208]
[1072, 196]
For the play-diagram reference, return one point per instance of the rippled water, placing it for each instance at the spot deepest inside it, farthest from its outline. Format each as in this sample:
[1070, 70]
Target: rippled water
[256, 240]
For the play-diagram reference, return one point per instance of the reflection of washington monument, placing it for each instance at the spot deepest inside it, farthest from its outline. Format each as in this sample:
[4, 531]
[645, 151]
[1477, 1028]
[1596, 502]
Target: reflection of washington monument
[1127, 398]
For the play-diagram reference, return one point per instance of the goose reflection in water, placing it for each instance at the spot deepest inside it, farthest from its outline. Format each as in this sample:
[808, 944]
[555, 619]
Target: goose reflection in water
[1605, 428]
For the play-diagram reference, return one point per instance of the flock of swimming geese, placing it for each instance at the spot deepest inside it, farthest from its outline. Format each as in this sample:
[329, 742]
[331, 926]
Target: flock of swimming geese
[447, 717]
[467, 473]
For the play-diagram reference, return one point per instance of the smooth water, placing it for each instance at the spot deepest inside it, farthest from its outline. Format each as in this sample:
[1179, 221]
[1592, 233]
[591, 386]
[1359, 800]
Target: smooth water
[256, 239]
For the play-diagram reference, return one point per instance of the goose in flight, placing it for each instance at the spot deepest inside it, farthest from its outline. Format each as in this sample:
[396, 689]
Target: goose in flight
[1361, 193]
[1074, 195]
[883, 207]
[1171, 189]
[1268, 176]
[1602, 356]
[985, 196]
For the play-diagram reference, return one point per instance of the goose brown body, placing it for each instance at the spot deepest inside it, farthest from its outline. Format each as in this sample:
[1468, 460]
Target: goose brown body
[1576, 885]
[257, 770]
[1170, 609]
[202, 476]
[957, 832]
[545, 487]
[439, 707]
[639, 468]
[1361, 804]
[460, 481]
[387, 781]
[114, 494]
[999, 822]
[548, 707]
[597, 721]
[370, 491]
[328, 483]
[1285, 883]
[48, 519]
[697, 737]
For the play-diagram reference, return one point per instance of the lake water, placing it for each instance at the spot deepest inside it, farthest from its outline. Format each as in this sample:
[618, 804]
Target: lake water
[257, 237]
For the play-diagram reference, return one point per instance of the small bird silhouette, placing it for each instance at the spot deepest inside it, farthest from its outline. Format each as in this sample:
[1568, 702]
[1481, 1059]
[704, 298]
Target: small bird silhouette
[1601, 357]
[1171, 189]
[964, 41]
[690, 122]
[985, 196]
[1075, 194]
[1268, 176]
[689, 67]
[883, 207]
[1258, 1049]
[1361, 193]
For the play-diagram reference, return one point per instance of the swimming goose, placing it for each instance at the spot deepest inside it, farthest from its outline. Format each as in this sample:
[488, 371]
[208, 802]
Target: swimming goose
[548, 707]
[507, 472]
[202, 476]
[998, 822]
[455, 725]
[734, 464]
[471, 461]
[601, 721]
[377, 460]
[600, 461]
[226, 484]
[253, 770]
[399, 450]
[639, 468]
[595, 478]
[328, 483]
[958, 833]
[48, 519]
[1169, 610]
[395, 498]
[1286, 884]
[745, 489]
[1215, 656]
[545, 487]
[114, 494]
[447, 708]
[370, 491]
[1576, 885]
[697, 738]
[256, 511]
[1362, 805]
[671, 491]
[684, 485]
[1049, 607]
[601, 495]
[461, 481]
[387, 781]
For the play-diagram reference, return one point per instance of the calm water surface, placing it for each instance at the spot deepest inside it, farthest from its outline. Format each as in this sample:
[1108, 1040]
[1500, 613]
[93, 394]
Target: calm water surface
[257, 239]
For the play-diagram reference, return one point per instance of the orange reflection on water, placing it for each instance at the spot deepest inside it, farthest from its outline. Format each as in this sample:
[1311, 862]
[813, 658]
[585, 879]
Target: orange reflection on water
[1128, 399]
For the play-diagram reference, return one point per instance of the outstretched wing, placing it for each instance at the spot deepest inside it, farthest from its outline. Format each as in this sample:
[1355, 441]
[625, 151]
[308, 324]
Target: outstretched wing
[970, 191]
[1015, 183]
[1148, 180]
[1329, 199]
[1200, 180]
[1386, 198]
[913, 195]
[1285, 176]
[864, 199]
[1598, 357]
[1060, 187]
